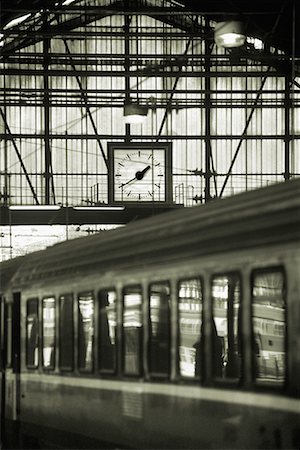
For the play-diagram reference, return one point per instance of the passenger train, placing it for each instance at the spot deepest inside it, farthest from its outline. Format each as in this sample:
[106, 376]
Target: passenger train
[180, 331]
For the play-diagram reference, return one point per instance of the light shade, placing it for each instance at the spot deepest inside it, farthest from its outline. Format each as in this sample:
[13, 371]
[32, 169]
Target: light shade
[34, 207]
[135, 113]
[230, 34]
[99, 208]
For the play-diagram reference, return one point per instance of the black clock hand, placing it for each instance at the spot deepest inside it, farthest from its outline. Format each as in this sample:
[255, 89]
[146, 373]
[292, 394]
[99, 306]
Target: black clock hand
[138, 176]
[130, 181]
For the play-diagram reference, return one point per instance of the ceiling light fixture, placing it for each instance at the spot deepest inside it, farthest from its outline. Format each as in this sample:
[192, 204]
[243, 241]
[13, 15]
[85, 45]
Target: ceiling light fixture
[99, 208]
[230, 34]
[34, 207]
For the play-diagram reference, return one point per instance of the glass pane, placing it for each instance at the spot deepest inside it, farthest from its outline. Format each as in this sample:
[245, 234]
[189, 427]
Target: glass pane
[132, 329]
[269, 327]
[66, 332]
[190, 320]
[159, 339]
[226, 359]
[107, 330]
[85, 331]
[32, 333]
[49, 332]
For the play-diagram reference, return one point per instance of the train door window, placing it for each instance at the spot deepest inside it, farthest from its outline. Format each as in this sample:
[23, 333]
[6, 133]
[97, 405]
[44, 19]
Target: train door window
[189, 323]
[86, 331]
[9, 346]
[107, 330]
[159, 330]
[269, 326]
[66, 332]
[48, 338]
[32, 333]
[132, 330]
[225, 332]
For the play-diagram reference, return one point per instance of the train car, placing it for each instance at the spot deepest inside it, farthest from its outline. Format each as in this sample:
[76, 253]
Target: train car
[179, 331]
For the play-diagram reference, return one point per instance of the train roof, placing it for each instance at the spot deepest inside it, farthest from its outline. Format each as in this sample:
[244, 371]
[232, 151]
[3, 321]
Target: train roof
[261, 217]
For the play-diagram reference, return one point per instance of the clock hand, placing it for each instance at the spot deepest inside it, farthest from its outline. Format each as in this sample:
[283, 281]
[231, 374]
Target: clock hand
[130, 181]
[138, 176]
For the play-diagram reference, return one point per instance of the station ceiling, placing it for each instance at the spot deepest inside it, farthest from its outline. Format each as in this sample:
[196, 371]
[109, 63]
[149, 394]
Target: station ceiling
[272, 21]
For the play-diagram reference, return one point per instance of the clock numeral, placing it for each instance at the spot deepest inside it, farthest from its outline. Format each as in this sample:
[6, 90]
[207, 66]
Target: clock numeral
[128, 194]
[128, 156]
[150, 193]
[157, 164]
[157, 185]
[120, 164]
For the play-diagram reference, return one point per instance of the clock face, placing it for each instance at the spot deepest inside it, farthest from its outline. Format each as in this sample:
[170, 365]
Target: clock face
[139, 175]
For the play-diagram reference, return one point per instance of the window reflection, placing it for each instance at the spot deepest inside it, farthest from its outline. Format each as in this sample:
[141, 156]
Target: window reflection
[32, 333]
[132, 328]
[107, 330]
[85, 331]
[48, 306]
[226, 358]
[269, 327]
[190, 313]
[159, 339]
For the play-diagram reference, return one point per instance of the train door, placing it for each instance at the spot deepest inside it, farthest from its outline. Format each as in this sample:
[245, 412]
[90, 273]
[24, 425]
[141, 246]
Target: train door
[2, 369]
[12, 372]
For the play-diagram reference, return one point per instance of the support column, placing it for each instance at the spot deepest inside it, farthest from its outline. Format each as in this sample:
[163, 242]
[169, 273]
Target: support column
[207, 102]
[287, 135]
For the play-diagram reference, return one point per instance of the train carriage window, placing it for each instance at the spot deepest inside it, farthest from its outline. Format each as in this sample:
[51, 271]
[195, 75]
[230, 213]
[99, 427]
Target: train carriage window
[159, 330]
[107, 330]
[189, 323]
[32, 333]
[66, 332]
[86, 331]
[225, 331]
[48, 338]
[269, 326]
[132, 330]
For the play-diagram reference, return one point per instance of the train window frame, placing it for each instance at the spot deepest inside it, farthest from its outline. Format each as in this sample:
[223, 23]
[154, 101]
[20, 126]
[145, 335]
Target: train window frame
[139, 372]
[106, 371]
[62, 367]
[230, 380]
[52, 366]
[36, 301]
[155, 374]
[267, 385]
[85, 370]
[197, 377]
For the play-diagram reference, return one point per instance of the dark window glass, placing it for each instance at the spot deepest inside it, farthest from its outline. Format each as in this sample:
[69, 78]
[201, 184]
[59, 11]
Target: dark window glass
[66, 332]
[48, 307]
[107, 330]
[159, 330]
[9, 346]
[132, 330]
[189, 321]
[269, 327]
[226, 345]
[85, 331]
[32, 334]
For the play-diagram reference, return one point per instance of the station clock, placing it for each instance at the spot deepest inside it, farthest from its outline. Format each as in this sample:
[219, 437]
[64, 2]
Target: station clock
[140, 173]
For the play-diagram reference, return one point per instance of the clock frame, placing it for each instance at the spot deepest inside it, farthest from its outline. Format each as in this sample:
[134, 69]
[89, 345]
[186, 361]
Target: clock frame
[140, 173]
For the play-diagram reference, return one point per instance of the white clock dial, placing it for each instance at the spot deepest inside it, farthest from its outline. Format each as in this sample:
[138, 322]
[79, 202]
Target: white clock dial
[139, 175]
